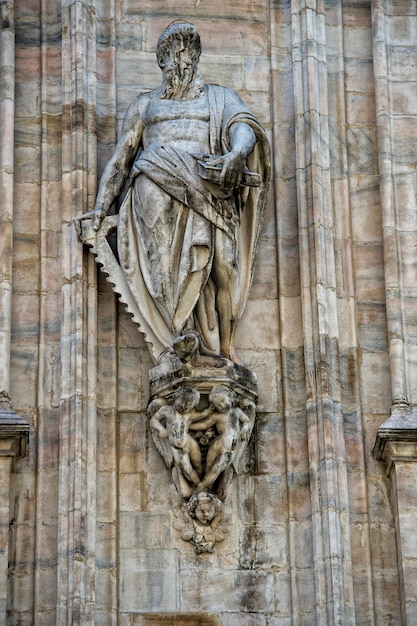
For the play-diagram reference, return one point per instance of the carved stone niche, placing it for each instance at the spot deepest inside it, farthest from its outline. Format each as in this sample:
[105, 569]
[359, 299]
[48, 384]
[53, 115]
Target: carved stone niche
[14, 431]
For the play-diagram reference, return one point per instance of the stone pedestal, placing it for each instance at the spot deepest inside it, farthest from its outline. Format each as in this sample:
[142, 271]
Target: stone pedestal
[202, 412]
[202, 374]
[14, 432]
[396, 444]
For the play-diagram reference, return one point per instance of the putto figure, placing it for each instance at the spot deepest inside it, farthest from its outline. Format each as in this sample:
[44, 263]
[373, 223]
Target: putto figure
[195, 162]
[178, 419]
[202, 448]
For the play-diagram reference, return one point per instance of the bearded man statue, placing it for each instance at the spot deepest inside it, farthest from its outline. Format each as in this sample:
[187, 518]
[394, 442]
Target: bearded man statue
[195, 163]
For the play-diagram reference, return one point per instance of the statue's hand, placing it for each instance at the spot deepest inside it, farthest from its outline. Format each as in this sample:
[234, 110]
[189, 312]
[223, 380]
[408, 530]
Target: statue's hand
[233, 164]
[100, 213]
[96, 215]
[245, 431]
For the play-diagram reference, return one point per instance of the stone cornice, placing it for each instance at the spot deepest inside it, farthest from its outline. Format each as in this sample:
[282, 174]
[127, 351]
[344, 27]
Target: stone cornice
[396, 439]
[14, 432]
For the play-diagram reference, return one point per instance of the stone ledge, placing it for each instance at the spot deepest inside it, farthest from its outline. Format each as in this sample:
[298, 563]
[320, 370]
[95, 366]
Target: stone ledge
[202, 374]
[174, 619]
[14, 432]
[396, 439]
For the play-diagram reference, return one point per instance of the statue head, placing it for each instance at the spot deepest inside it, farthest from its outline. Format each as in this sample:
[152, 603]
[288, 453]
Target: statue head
[185, 399]
[178, 52]
[204, 507]
[222, 398]
[179, 34]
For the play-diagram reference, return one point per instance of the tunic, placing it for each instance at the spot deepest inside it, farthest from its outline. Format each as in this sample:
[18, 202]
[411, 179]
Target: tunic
[173, 223]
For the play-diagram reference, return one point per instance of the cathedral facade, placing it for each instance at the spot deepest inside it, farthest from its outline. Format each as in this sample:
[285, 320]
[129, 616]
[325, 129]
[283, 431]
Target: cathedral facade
[321, 515]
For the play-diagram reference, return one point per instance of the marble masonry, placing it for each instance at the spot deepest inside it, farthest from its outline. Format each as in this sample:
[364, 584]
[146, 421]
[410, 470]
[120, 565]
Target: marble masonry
[249, 460]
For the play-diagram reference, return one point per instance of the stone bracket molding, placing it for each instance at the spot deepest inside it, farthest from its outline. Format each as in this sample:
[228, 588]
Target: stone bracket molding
[396, 439]
[201, 415]
[396, 445]
[14, 433]
[14, 436]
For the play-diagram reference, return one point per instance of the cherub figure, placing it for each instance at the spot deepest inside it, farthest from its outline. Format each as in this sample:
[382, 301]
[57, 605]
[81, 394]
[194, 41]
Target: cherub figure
[185, 449]
[232, 426]
[205, 510]
[201, 521]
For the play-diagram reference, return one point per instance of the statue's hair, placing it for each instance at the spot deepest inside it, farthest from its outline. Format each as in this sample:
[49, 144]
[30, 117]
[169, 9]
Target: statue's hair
[188, 393]
[178, 30]
[222, 389]
[203, 497]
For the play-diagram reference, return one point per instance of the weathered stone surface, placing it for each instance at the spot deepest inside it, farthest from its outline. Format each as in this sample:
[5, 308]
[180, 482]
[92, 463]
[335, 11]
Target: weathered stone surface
[149, 579]
[177, 619]
[89, 522]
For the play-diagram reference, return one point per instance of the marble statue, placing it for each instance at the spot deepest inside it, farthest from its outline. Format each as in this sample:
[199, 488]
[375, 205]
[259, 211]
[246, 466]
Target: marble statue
[232, 426]
[193, 162]
[177, 430]
[190, 172]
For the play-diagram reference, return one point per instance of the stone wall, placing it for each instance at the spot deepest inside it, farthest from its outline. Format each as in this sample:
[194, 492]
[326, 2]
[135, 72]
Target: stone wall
[319, 533]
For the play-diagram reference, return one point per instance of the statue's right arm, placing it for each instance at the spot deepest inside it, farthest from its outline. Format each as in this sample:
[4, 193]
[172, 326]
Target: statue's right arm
[117, 169]
[155, 422]
[204, 421]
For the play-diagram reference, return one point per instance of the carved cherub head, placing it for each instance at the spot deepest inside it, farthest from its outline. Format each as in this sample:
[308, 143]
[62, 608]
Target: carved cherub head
[204, 507]
[222, 398]
[185, 399]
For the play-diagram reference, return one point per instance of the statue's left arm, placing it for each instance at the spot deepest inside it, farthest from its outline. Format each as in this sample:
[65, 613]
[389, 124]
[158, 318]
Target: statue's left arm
[242, 141]
[246, 424]
[155, 422]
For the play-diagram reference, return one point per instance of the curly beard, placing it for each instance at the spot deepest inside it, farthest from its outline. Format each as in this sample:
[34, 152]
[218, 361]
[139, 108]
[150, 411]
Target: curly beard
[181, 81]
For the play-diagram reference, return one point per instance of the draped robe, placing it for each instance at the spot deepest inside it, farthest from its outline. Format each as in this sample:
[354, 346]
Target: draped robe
[172, 224]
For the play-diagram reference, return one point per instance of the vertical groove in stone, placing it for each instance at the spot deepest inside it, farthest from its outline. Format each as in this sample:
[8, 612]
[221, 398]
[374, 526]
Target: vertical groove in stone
[7, 65]
[282, 121]
[48, 384]
[76, 532]
[348, 341]
[106, 608]
[389, 222]
[301, 563]
[25, 300]
[328, 477]
[5, 470]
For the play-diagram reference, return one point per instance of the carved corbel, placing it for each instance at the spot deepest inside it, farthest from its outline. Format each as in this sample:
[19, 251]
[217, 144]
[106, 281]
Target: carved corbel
[397, 437]
[14, 431]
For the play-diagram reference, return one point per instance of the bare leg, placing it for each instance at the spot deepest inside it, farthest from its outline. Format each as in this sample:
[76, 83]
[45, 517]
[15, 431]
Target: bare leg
[180, 482]
[217, 460]
[192, 287]
[194, 452]
[219, 466]
[226, 276]
[189, 471]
